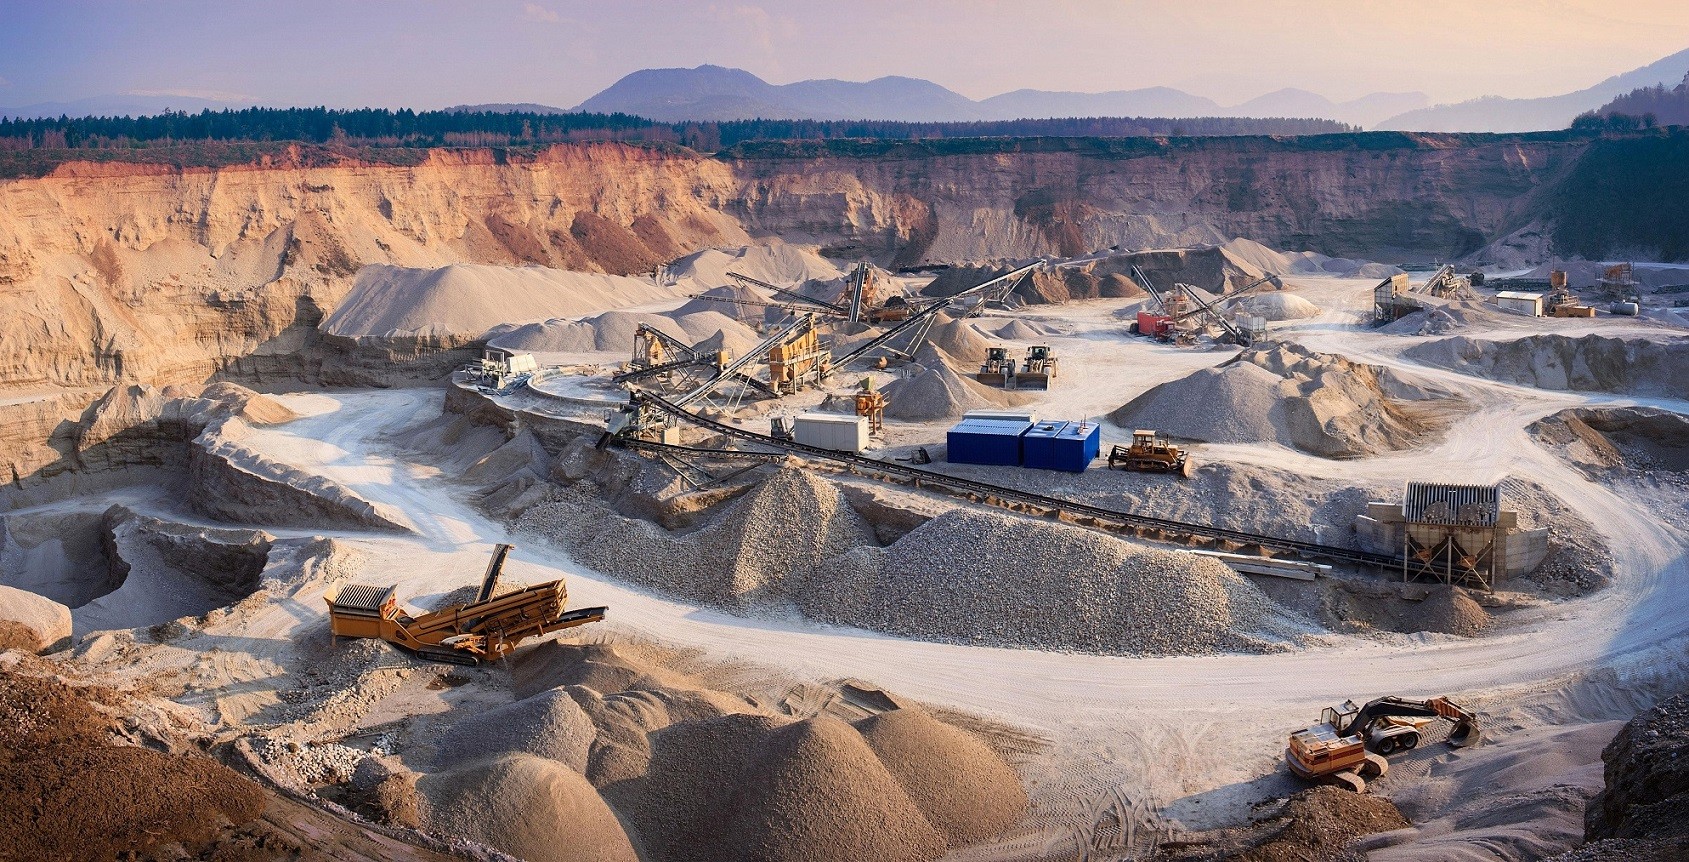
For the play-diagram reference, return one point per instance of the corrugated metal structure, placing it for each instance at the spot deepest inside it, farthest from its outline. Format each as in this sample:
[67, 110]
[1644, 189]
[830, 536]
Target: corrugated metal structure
[1068, 446]
[1453, 534]
[831, 431]
[1028, 416]
[994, 442]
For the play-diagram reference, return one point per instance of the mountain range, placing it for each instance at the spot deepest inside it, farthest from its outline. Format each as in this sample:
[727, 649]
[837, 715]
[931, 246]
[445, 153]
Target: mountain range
[720, 93]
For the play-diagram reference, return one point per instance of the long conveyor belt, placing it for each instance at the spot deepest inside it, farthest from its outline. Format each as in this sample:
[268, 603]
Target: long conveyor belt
[1146, 522]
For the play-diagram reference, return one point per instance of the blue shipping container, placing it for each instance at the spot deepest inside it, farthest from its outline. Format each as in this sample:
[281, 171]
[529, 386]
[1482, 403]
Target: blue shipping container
[986, 441]
[1070, 446]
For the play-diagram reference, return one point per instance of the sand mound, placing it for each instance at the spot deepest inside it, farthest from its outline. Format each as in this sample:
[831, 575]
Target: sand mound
[526, 806]
[793, 521]
[549, 724]
[1452, 611]
[1592, 363]
[1278, 305]
[1232, 404]
[1262, 257]
[939, 392]
[727, 300]
[818, 793]
[1603, 438]
[702, 325]
[548, 336]
[37, 623]
[964, 788]
[240, 401]
[468, 300]
[960, 340]
[1319, 403]
[776, 263]
[1020, 330]
[984, 578]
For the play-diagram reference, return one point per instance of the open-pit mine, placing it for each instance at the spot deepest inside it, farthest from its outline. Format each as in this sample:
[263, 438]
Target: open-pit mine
[1150, 499]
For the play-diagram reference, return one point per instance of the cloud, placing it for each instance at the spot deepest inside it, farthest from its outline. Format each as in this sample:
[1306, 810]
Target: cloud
[539, 14]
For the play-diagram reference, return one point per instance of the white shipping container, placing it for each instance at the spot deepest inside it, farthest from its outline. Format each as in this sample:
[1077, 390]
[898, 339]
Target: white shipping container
[1026, 416]
[831, 431]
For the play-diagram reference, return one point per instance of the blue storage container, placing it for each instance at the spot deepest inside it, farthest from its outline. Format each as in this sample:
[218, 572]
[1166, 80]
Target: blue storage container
[1069, 446]
[993, 442]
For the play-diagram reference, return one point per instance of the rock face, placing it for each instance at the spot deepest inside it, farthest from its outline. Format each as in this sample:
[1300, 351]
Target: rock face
[1592, 363]
[31, 622]
[1640, 813]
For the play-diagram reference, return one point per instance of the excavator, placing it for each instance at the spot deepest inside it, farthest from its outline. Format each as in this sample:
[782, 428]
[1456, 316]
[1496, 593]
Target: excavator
[1351, 744]
[1151, 453]
[487, 628]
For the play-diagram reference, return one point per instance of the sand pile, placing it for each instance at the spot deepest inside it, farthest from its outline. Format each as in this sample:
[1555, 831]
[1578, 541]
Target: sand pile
[1593, 363]
[791, 522]
[67, 792]
[924, 754]
[467, 300]
[698, 774]
[529, 807]
[1278, 306]
[32, 623]
[1236, 403]
[1253, 254]
[990, 579]
[613, 332]
[728, 300]
[1319, 403]
[818, 793]
[940, 392]
[1602, 438]
[1020, 330]
[549, 725]
[776, 263]
[1452, 611]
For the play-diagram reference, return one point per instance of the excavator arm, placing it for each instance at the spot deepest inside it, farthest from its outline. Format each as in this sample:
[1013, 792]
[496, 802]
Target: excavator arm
[1465, 730]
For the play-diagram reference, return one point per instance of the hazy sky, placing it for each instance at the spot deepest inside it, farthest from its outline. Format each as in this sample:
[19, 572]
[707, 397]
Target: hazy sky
[432, 53]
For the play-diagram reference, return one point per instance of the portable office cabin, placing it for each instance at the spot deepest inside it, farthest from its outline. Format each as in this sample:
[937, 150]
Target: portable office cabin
[1068, 446]
[986, 441]
[831, 431]
[1520, 302]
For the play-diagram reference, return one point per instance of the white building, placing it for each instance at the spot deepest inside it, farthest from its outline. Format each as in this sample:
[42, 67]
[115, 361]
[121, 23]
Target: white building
[1520, 302]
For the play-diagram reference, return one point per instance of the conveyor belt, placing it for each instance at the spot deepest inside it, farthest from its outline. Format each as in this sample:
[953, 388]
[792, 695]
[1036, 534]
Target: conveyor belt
[1147, 522]
[654, 370]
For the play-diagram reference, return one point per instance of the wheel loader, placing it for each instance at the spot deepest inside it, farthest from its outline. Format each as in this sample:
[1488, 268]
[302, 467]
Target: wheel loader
[1151, 453]
[488, 627]
[1351, 744]
[998, 369]
[1037, 370]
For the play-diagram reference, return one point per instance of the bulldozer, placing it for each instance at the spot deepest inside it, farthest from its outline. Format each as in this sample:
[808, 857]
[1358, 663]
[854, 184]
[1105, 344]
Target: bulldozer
[998, 369]
[1038, 369]
[1351, 744]
[1151, 453]
[487, 628]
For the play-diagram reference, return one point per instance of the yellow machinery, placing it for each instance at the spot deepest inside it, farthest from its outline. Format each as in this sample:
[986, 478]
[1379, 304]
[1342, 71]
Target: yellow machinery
[1151, 453]
[1350, 745]
[1560, 302]
[1038, 369]
[798, 361]
[488, 627]
[997, 369]
[871, 402]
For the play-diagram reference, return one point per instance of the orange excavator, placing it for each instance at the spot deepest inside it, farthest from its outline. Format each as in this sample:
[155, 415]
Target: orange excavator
[1350, 745]
[487, 628]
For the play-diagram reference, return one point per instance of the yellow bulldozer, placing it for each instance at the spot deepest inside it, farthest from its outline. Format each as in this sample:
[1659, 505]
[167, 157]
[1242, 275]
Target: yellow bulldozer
[1351, 744]
[487, 628]
[1151, 453]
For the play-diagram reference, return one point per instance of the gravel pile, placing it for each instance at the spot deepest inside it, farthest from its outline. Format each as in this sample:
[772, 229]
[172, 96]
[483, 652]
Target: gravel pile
[1319, 403]
[960, 340]
[925, 756]
[1451, 611]
[529, 807]
[791, 522]
[549, 724]
[1020, 330]
[1237, 403]
[939, 392]
[984, 578]
[1278, 305]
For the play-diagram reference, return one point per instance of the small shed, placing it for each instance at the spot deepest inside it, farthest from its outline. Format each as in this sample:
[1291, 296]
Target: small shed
[831, 431]
[1067, 446]
[1520, 302]
[991, 442]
